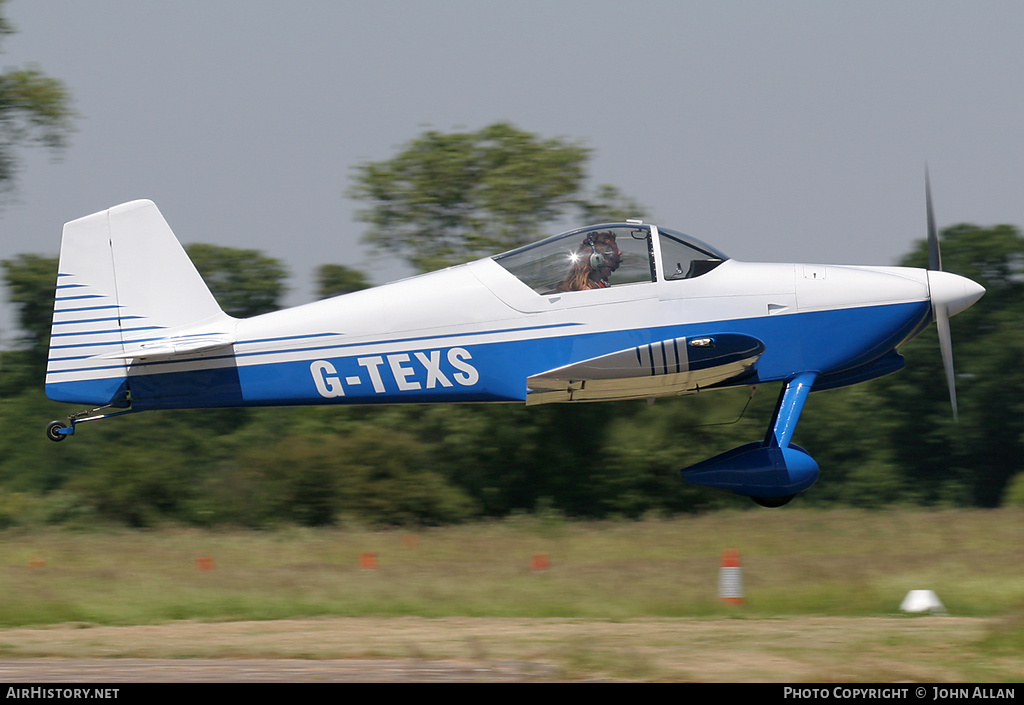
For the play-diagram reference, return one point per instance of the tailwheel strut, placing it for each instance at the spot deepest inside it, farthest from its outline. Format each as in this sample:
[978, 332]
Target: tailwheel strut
[57, 431]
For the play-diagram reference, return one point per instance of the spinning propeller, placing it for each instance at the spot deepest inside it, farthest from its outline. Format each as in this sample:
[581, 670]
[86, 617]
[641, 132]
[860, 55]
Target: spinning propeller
[950, 294]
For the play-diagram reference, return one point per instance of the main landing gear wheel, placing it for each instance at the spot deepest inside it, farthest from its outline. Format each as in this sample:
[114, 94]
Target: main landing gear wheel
[773, 501]
[53, 431]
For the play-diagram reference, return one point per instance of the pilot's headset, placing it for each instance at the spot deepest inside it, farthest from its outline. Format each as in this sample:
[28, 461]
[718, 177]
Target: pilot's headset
[597, 259]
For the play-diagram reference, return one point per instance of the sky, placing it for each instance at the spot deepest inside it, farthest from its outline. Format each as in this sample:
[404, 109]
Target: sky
[782, 130]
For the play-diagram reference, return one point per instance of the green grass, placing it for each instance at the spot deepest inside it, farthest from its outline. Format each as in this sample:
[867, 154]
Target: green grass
[795, 562]
[624, 600]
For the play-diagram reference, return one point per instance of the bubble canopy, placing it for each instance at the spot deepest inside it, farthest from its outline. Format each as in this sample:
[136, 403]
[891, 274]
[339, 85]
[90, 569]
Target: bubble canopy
[614, 254]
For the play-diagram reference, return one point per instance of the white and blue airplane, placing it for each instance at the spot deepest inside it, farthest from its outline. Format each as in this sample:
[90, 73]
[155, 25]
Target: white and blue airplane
[616, 311]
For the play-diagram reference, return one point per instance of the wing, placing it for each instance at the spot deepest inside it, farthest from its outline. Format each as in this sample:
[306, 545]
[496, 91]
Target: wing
[667, 367]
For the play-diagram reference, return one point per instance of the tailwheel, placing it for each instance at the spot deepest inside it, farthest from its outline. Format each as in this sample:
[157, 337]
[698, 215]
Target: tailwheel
[54, 431]
[57, 431]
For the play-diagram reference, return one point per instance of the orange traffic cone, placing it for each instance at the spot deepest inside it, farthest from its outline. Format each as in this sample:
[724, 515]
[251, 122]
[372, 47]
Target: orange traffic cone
[539, 563]
[730, 578]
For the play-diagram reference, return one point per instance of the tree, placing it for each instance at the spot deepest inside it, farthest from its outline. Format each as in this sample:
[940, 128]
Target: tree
[34, 110]
[337, 279]
[31, 281]
[244, 282]
[447, 198]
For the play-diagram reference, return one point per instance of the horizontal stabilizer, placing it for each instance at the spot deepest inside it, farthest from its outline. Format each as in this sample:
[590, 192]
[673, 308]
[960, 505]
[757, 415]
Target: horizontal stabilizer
[184, 346]
[667, 367]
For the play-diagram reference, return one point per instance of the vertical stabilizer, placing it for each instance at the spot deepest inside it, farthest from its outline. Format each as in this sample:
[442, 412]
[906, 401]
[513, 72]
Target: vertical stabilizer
[123, 281]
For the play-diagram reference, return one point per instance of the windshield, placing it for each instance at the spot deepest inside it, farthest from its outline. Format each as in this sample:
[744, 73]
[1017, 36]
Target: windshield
[685, 257]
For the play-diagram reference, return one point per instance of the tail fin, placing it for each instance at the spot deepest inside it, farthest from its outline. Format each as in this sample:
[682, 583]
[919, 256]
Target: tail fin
[125, 289]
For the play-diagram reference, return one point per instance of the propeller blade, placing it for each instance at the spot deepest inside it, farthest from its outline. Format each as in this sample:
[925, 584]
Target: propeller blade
[941, 313]
[934, 256]
[950, 294]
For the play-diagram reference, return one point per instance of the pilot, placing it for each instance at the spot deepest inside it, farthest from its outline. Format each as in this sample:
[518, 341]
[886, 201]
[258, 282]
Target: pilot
[593, 263]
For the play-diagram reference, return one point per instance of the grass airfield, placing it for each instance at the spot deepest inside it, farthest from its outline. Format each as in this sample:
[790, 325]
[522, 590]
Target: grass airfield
[563, 600]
